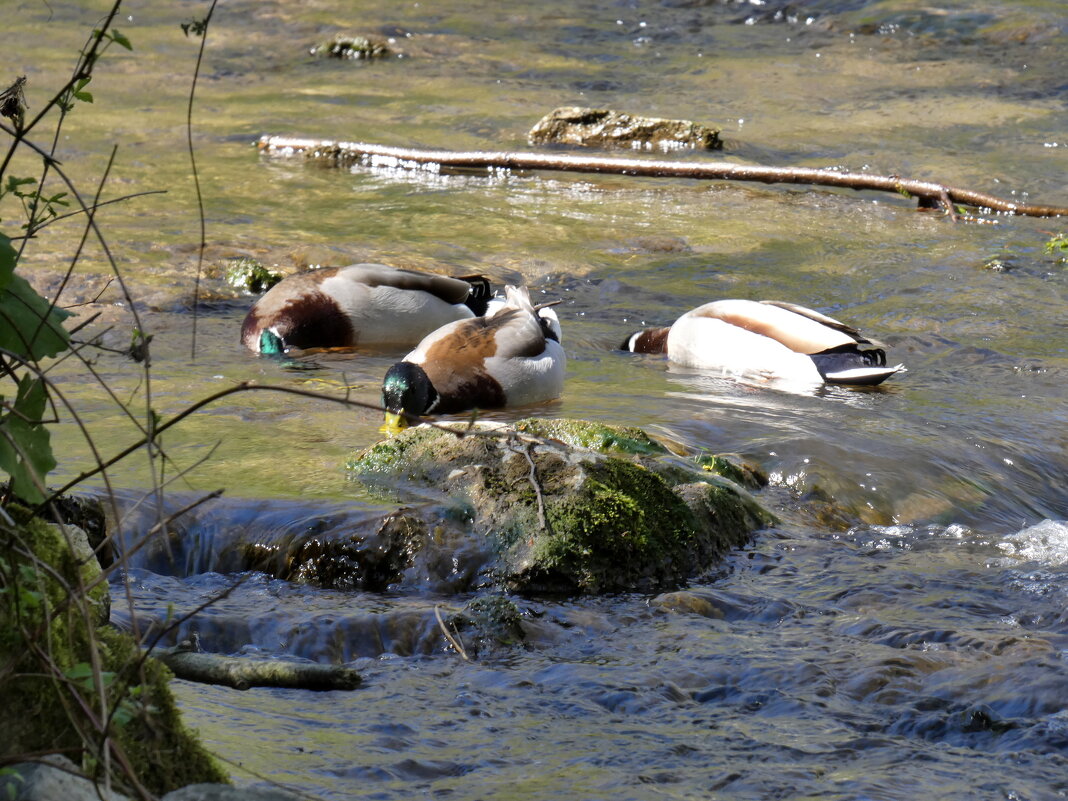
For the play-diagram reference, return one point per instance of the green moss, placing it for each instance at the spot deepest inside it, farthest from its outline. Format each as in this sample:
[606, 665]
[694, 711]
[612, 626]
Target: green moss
[741, 474]
[563, 519]
[394, 456]
[491, 619]
[61, 660]
[594, 436]
[627, 520]
[734, 512]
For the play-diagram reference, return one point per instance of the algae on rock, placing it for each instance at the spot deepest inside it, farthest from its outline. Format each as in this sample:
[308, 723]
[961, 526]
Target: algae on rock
[571, 506]
[69, 682]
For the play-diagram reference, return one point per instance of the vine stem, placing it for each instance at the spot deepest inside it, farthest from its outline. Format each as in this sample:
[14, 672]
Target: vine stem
[196, 177]
[930, 193]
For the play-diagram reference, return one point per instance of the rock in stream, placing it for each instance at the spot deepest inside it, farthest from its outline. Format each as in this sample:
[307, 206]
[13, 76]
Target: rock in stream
[564, 506]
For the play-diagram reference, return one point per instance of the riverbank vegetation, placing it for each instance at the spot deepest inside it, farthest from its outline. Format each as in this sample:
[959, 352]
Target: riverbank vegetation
[71, 685]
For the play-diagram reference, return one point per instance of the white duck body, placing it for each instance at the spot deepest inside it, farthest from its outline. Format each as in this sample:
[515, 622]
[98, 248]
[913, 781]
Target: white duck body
[768, 339]
[362, 304]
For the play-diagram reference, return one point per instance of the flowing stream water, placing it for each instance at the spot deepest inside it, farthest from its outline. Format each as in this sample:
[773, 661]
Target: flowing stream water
[914, 646]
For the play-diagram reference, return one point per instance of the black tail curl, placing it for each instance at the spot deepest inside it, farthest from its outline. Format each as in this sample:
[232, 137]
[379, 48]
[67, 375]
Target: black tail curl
[847, 357]
[481, 292]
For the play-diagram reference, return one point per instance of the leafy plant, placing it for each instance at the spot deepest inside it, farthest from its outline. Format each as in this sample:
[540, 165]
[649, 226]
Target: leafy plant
[1058, 246]
[69, 684]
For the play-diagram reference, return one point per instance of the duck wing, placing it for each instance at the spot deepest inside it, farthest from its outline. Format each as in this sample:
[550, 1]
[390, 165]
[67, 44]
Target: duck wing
[797, 328]
[446, 288]
[823, 319]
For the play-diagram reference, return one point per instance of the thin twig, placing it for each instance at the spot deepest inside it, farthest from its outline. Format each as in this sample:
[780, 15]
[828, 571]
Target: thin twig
[533, 478]
[91, 208]
[196, 176]
[454, 641]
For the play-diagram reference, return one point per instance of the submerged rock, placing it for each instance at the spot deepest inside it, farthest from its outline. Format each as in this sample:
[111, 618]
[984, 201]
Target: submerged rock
[568, 506]
[601, 127]
[56, 778]
[355, 47]
[486, 624]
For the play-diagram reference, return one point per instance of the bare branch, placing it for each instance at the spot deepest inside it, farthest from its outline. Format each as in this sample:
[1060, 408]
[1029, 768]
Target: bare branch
[930, 194]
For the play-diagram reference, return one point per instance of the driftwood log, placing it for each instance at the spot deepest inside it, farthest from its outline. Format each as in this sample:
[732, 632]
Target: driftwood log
[241, 674]
[928, 193]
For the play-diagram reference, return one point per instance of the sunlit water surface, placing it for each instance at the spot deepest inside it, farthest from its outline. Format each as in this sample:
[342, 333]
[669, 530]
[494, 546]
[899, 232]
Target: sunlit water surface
[912, 645]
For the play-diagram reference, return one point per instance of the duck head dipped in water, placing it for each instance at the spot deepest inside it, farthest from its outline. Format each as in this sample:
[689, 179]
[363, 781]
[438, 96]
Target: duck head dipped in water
[362, 304]
[768, 339]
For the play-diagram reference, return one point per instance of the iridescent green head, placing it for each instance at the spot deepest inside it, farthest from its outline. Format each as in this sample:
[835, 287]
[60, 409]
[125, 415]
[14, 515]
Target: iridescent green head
[271, 344]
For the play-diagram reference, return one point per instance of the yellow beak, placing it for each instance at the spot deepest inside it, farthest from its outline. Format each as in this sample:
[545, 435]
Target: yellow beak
[395, 423]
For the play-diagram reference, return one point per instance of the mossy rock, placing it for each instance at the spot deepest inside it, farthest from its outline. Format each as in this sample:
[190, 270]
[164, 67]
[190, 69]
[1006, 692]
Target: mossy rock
[570, 506]
[488, 623]
[602, 127]
[250, 275]
[594, 436]
[52, 629]
[742, 474]
[353, 46]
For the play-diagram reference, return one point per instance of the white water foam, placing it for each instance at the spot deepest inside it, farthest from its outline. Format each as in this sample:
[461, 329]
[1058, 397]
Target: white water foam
[1045, 542]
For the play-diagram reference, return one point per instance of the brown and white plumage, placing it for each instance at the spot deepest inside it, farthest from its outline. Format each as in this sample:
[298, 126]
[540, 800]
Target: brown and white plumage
[512, 357]
[362, 304]
[768, 339]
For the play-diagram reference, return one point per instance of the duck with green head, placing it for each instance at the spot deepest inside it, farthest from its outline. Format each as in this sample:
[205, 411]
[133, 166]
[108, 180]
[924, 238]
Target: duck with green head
[511, 357]
[357, 306]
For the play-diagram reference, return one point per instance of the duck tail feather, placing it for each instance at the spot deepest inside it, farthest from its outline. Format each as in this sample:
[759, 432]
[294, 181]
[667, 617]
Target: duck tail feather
[478, 297]
[850, 365]
[863, 376]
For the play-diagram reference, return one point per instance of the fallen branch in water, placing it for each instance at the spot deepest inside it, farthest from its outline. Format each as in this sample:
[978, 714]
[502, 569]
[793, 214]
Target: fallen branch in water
[929, 193]
[232, 671]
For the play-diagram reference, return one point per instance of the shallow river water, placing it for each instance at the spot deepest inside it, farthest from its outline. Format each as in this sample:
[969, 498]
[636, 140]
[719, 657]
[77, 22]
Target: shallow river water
[913, 645]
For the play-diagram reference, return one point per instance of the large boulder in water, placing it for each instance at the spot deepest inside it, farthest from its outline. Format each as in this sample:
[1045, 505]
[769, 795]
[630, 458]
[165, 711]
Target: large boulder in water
[569, 506]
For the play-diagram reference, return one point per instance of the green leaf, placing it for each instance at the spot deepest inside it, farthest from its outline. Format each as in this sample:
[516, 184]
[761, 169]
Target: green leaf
[8, 257]
[22, 311]
[79, 672]
[25, 444]
[14, 183]
[121, 40]
[78, 90]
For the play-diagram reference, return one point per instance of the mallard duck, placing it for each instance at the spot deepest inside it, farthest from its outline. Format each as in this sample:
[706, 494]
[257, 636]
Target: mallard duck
[510, 358]
[768, 339]
[362, 304]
